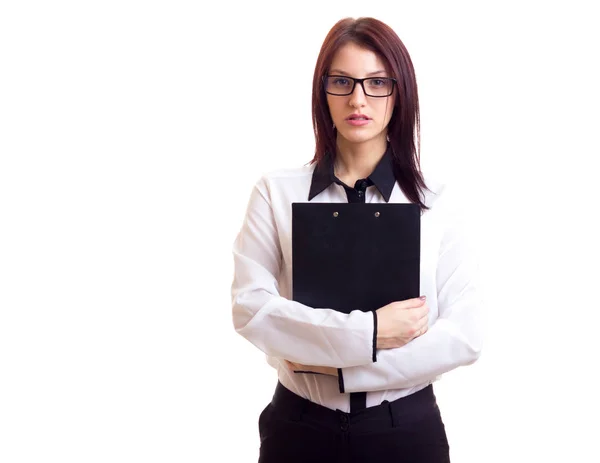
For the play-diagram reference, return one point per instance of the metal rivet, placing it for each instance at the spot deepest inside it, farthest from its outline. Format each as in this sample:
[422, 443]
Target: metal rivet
[335, 214]
[377, 214]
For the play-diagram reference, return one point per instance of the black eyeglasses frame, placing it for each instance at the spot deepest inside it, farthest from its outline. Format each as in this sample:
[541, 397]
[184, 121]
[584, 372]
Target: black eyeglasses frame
[361, 82]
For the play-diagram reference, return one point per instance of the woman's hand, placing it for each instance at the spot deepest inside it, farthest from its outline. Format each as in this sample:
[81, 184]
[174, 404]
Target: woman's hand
[398, 323]
[299, 368]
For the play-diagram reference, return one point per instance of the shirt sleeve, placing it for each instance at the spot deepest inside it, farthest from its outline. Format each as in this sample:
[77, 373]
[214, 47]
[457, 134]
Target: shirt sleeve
[454, 339]
[281, 327]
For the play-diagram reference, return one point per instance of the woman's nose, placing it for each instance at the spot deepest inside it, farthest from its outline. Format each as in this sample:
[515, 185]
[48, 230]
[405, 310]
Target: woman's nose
[358, 97]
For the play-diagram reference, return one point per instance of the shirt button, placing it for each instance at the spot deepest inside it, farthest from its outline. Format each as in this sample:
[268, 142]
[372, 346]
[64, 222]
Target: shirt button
[344, 422]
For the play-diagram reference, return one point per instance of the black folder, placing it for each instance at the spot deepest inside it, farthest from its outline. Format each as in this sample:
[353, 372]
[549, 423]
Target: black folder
[348, 256]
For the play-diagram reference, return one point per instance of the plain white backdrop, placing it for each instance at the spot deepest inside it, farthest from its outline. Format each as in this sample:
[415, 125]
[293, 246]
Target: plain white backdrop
[131, 134]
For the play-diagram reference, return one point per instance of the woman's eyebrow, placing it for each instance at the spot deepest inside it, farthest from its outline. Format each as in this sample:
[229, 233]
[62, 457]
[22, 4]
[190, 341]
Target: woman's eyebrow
[347, 74]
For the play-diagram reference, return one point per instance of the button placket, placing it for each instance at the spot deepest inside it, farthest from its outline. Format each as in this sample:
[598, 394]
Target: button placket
[344, 422]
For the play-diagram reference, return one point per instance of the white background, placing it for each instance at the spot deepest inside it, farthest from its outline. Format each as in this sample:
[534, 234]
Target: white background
[131, 134]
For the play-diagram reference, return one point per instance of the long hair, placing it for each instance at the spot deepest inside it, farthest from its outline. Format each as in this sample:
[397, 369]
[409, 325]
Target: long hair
[404, 126]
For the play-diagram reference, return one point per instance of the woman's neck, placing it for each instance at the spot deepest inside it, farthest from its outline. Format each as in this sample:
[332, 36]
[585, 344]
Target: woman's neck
[356, 161]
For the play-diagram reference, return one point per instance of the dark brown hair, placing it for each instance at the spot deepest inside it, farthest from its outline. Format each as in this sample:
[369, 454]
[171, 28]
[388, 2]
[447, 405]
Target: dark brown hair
[403, 129]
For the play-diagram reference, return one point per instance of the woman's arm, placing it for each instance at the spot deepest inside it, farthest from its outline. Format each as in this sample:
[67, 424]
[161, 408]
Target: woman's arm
[454, 339]
[278, 326]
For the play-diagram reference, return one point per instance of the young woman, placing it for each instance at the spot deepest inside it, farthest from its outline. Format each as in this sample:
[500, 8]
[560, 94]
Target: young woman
[357, 387]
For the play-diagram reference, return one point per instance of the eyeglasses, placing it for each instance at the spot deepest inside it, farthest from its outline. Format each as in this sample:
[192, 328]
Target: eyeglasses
[372, 86]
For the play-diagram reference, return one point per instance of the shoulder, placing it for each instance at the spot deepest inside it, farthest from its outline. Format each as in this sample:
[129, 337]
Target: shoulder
[445, 197]
[452, 208]
[281, 180]
[289, 173]
[435, 190]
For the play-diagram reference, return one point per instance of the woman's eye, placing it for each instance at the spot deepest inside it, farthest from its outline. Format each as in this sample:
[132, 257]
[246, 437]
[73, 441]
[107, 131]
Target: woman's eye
[341, 82]
[377, 82]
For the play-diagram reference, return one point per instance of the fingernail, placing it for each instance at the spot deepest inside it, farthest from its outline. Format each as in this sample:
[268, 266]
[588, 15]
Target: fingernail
[423, 298]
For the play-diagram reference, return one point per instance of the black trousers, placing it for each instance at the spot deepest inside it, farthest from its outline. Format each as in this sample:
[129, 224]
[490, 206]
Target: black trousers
[407, 430]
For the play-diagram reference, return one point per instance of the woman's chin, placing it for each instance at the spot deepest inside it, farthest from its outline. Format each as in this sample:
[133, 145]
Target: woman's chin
[356, 137]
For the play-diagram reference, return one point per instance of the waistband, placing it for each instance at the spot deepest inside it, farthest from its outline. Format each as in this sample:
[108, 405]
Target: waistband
[388, 414]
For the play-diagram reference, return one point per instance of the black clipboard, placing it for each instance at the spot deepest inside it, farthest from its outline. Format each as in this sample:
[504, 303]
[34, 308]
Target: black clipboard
[349, 256]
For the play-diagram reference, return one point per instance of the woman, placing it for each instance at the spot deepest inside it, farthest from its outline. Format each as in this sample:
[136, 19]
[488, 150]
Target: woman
[357, 387]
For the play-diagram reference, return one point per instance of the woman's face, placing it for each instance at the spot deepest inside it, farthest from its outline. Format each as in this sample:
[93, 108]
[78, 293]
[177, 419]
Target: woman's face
[359, 118]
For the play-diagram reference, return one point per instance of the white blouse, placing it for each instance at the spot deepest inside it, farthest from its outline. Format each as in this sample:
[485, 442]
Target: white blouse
[265, 315]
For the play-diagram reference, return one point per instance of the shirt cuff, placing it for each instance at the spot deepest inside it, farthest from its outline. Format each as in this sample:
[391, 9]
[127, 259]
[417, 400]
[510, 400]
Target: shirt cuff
[340, 374]
[374, 336]
[341, 381]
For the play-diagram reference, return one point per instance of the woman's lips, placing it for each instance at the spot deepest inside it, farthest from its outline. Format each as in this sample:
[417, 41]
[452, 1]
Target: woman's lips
[356, 122]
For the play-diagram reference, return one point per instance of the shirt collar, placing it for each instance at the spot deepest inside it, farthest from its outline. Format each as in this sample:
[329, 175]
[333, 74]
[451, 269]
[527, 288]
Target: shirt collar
[382, 177]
